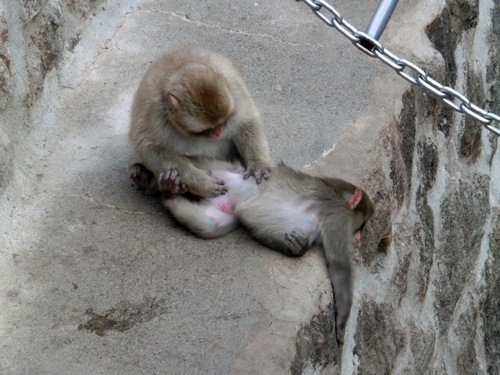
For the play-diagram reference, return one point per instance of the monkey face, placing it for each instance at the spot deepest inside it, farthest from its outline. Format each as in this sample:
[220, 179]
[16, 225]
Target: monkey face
[216, 132]
[190, 125]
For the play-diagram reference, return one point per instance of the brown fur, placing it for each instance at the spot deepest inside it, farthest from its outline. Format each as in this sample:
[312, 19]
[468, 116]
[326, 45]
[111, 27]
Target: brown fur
[203, 93]
[181, 97]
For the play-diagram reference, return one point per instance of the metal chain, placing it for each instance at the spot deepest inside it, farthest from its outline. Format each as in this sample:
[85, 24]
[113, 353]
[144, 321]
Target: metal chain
[406, 69]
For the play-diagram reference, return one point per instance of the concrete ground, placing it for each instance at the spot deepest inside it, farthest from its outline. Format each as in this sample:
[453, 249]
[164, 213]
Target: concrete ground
[82, 247]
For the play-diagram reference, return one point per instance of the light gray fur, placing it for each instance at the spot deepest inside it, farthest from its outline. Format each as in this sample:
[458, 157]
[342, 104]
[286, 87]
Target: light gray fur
[290, 212]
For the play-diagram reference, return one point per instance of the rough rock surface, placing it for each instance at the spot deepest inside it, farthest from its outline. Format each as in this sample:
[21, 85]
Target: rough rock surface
[95, 278]
[426, 300]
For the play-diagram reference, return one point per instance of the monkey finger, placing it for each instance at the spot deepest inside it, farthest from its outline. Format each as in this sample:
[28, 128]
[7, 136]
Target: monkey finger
[259, 175]
[249, 173]
[265, 174]
[169, 178]
[169, 181]
[296, 242]
[219, 181]
[222, 190]
[162, 182]
[174, 185]
[173, 172]
[218, 191]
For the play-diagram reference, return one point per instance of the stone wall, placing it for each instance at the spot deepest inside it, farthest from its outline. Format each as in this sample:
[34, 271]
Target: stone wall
[33, 36]
[428, 285]
[432, 303]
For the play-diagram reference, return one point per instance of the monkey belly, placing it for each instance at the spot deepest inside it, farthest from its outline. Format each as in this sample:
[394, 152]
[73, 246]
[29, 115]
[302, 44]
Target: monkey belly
[273, 216]
[299, 216]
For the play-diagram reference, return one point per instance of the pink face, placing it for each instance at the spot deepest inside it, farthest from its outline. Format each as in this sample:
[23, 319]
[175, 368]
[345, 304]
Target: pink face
[217, 131]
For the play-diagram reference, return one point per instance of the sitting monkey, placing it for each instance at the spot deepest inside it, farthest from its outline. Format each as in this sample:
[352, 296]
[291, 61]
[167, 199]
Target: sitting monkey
[192, 102]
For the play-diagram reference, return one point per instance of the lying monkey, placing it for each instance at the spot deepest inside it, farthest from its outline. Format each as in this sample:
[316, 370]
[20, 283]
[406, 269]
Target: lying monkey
[290, 213]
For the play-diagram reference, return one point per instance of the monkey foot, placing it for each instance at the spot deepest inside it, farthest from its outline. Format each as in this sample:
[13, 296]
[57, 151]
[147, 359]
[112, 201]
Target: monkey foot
[141, 176]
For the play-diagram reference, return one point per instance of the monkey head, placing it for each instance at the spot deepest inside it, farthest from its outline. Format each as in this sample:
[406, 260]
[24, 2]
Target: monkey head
[199, 103]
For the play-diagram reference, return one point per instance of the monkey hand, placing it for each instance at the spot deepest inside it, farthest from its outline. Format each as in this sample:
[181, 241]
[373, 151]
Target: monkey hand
[259, 169]
[296, 244]
[170, 185]
[214, 187]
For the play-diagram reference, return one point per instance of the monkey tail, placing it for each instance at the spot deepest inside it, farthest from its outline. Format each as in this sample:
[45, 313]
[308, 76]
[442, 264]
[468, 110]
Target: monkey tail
[336, 236]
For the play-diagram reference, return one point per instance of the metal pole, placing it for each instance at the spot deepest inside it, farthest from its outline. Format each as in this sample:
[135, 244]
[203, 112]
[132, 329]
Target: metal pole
[380, 18]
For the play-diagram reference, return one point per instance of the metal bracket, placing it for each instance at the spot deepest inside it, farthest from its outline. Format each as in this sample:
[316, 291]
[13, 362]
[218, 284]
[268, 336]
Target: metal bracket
[379, 21]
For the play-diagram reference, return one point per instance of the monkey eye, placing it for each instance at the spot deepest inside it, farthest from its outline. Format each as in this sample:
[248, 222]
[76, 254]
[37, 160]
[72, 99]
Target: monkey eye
[201, 133]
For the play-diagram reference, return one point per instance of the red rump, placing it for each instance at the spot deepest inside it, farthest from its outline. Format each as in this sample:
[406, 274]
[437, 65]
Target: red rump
[225, 206]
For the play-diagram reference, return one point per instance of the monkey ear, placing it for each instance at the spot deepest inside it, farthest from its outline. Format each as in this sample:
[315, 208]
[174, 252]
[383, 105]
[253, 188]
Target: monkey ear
[174, 102]
[355, 198]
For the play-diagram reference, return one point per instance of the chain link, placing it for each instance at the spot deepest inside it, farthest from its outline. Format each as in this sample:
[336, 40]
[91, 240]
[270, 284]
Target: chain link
[406, 69]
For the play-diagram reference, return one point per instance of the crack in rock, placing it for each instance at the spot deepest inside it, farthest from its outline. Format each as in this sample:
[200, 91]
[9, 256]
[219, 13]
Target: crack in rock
[107, 205]
[230, 31]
